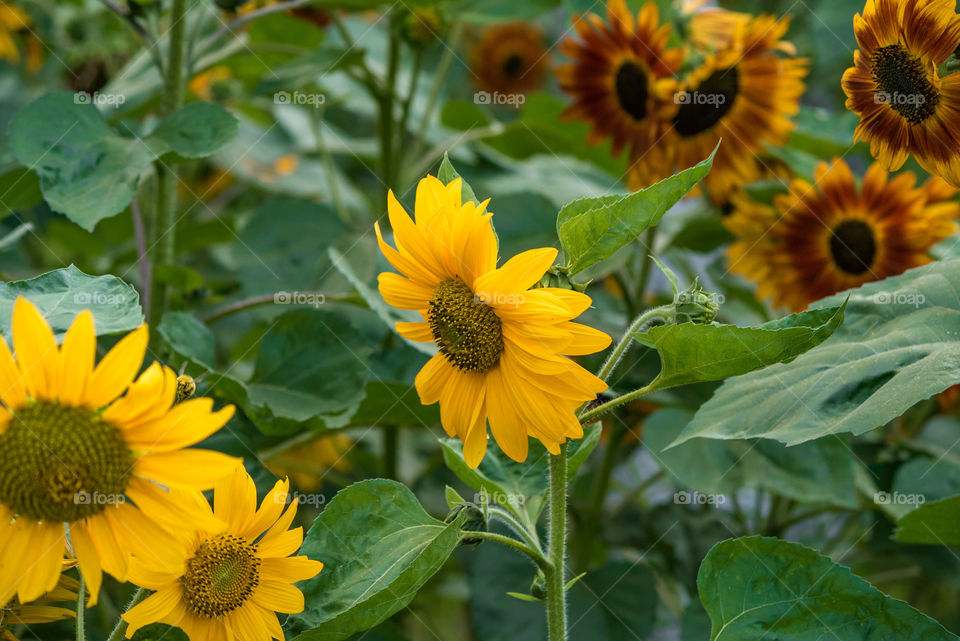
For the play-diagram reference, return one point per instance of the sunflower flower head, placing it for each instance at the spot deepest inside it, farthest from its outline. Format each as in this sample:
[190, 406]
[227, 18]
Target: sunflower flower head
[817, 240]
[228, 582]
[45, 608]
[905, 106]
[509, 58]
[503, 347]
[84, 451]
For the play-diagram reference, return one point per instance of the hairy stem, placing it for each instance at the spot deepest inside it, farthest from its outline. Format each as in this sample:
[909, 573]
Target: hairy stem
[556, 597]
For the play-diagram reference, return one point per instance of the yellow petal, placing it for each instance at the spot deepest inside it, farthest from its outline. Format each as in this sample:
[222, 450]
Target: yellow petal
[152, 609]
[432, 378]
[12, 390]
[518, 274]
[115, 372]
[292, 569]
[36, 350]
[88, 559]
[186, 469]
[45, 561]
[419, 332]
[279, 597]
[77, 355]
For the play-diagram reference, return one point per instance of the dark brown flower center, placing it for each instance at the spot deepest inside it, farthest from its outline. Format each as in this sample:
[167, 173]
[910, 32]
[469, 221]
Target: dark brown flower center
[221, 576]
[853, 246]
[513, 66]
[632, 89]
[62, 464]
[902, 83]
[703, 106]
[467, 330]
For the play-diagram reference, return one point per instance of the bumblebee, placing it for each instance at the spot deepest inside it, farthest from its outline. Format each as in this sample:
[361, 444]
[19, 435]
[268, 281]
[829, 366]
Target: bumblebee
[186, 387]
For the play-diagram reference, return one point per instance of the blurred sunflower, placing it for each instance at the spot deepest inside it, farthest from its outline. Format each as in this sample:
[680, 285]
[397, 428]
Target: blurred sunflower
[229, 582]
[15, 20]
[503, 346]
[904, 105]
[835, 236]
[211, 85]
[621, 79]
[509, 58]
[307, 464]
[42, 609]
[73, 451]
[744, 93]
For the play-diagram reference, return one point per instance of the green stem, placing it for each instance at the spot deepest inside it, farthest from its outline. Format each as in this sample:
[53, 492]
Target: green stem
[534, 554]
[386, 110]
[603, 408]
[623, 345]
[556, 597]
[525, 532]
[81, 606]
[165, 223]
[439, 78]
[329, 168]
[644, 281]
[121, 627]
[407, 102]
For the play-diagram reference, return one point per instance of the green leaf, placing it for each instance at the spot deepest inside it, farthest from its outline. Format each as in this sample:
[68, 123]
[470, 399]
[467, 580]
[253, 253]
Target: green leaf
[692, 353]
[63, 293]
[307, 68]
[379, 547]
[899, 344]
[518, 487]
[592, 229]
[447, 173]
[195, 130]
[19, 190]
[189, 338]
[758, 589]
[89, 172]
[820, 471]
[936, 523]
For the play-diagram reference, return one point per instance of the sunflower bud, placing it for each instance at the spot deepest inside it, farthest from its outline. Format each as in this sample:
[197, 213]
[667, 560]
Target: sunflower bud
[694, 305]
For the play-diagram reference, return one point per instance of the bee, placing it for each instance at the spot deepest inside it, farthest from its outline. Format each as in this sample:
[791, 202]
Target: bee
[186, 387]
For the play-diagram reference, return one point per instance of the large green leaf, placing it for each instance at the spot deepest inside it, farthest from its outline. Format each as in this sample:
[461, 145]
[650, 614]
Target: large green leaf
[692, 353]
[19, 190]
[936, 523]
[518, 487]
[189, 338]
[378, 546]
[63, 293]
[592, 229]
[820, 471]
[86, 169]
[899, 344]
[759, 589]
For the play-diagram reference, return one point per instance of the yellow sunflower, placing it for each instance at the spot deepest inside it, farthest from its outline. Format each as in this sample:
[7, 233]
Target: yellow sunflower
[308, 464]
[503, 346]
[82, 451]
[817, 241]
[904, 105]
[743, 93]
[15, 20]
[229, 582]
[622, 78]
[43, 608]
[509, 58]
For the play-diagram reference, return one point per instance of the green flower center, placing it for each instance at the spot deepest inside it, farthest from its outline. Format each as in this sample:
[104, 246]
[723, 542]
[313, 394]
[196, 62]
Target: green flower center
[853, 246]
[632, 90]
[221, 576]
[703, 107]
[467, 330]
[62, 464]
[902, 83]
